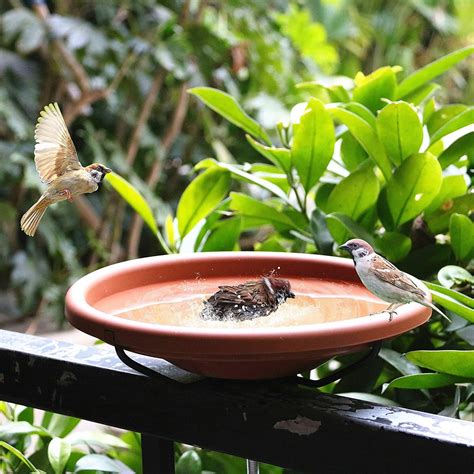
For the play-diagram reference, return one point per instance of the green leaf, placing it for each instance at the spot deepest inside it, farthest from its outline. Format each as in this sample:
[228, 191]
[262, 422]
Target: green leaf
[362, 111]
[313, 143]
[61, 425]
[131, 195]
[462, 146]
[224, 236]
[280, 157]
[438, 221]
[353, 196]
[422, 94]
[319, 230]
[393, 245]
[366, 136]
[189, 463]
[225, 105]
[452, 275]
[201, 197]
[459, 121]
[451, 187]
[461, 230]
[398, 361]
[244, 176]
[424, 381]
[452, 304]
[378, 85]
[413, 186]
[169, 229]
[18, 454]
[59, 451]
[258, 212]
[352, 153]
[96, 438]
[353, 228]
[400, 131]
[449, 362]
[21, 428]
[430, 71]
[456, 295]
[443, 115]
[99, 462]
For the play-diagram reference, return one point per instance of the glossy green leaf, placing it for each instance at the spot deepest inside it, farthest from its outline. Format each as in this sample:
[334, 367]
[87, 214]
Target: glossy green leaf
[429, 110]
[426, 381]
[430, 71]
[438, 221]
[393, 245]
[422, 94]
[280, 157]
[400, 131]
[362, 111]
[313, 143]
[413, 186]
[456, 295]
[353, 228]
[380, 84]
[323, 191]
[452, 275]
[352, 153]
[451, 187]
[321, 235]
[243, 175]
[21, 428]
[459, 121]
[189, 463]
[451, 303]
[258, 212]
[366, 136]
[131, 195]
[398, 361]
[96, 438]
[18, 454]
[99, 462]
[201, 197]
[224, 236]
[353, 196]
[449, 362]
[467, 334]
[462, 146]
[169, 229]
[443, 115]
[461, 230]
[369, 397]
[225, 105]
[59, 451]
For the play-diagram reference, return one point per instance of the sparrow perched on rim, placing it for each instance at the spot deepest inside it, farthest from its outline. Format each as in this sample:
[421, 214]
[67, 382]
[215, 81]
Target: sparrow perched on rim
[249, 300]
[58, 166]
[385, 280]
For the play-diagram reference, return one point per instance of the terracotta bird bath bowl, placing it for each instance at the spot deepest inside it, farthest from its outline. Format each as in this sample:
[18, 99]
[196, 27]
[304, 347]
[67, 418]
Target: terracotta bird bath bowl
[151, 306]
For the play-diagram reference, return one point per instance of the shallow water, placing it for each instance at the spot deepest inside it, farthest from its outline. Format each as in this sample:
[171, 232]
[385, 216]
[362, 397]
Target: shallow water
[179, 303]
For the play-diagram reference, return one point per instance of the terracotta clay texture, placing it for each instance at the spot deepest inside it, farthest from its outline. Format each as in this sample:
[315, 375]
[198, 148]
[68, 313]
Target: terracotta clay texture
[93, 302]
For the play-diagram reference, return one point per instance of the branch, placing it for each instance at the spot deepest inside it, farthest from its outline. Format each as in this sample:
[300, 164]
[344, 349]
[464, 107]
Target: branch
[145, 115]
[169, 138]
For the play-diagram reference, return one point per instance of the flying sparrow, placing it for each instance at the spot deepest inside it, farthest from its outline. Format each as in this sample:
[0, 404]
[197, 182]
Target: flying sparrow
[249, 300]
[58, 166]
[385, 280]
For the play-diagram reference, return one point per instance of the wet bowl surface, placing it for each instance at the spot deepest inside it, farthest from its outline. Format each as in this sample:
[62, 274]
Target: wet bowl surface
[120, 305]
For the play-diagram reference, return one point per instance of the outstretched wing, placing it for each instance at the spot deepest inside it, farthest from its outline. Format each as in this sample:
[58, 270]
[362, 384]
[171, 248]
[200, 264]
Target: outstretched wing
[389, 273]
[54, 150]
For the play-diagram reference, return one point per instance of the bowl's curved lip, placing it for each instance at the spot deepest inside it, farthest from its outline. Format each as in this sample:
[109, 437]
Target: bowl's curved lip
[77, 307]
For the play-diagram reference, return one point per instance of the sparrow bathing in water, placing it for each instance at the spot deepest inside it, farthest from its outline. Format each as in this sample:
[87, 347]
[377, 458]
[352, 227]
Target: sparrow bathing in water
[249, 300]
[385, 280]
[58, 166]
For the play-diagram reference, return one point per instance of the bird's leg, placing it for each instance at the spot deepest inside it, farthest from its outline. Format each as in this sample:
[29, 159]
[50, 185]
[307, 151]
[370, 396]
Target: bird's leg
[390, 310]
[67, 193]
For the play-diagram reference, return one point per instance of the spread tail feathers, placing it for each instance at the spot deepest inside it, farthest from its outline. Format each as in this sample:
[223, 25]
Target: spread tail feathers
[432, 306]
[31, 218]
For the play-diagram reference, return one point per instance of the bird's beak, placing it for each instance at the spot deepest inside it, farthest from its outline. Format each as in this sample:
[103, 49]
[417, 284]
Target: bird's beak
[107, 170]
[291, 295]
[343, 247]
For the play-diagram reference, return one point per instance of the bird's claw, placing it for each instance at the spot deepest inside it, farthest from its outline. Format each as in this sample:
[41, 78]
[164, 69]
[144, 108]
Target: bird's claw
[68, 194]
[390, 313]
